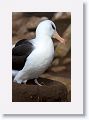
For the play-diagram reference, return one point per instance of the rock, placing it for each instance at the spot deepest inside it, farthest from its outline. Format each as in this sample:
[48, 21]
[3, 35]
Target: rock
[61, 15]
[19, 26]
[69, 96]
[17, 38]
[49, 15]
[55, 42]
[22, 30]
[61, 49]
[55, 62]
[58, 69]
[66, 61]
[16, 15]
[64, 80]
[57, 16]
[29, 35]
[34, 21]
[52, 91]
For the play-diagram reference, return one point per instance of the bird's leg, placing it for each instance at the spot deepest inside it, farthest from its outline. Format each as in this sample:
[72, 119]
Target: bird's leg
[35, 80]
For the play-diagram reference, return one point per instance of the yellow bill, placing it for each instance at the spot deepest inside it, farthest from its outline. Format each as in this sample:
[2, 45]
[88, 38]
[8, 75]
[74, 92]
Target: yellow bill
[56, 36]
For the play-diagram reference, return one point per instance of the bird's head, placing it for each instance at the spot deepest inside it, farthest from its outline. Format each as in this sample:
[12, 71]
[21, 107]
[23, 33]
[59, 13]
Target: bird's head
[48, 28]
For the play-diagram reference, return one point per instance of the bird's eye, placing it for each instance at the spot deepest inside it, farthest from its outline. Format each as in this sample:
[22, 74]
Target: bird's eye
[53, 27]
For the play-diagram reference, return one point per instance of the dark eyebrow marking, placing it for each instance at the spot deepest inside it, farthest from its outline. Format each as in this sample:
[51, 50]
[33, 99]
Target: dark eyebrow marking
[53, 27]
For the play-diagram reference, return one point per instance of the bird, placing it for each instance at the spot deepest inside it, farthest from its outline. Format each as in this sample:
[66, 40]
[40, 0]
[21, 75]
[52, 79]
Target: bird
[31, 58]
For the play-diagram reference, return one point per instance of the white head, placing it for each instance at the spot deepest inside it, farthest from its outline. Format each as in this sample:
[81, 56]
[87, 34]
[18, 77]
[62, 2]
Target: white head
[48, 28]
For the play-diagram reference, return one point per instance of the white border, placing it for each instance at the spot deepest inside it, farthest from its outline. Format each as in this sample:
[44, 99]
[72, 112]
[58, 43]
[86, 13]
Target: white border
[76, 104]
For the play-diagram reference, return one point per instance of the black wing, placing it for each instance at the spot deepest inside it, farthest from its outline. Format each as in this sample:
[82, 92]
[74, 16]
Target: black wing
[20, 52]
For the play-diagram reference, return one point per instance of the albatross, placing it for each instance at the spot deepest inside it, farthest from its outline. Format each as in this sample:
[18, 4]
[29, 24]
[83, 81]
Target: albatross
[31, 58]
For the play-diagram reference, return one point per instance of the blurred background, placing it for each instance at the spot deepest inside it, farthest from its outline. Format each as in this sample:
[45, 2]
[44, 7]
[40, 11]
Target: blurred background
[24, 26]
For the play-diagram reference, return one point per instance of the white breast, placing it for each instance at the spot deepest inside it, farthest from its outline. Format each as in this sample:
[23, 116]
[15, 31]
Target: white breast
[39, 60]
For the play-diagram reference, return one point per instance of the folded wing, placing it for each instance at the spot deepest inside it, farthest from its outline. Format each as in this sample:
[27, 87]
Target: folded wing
[20, 52]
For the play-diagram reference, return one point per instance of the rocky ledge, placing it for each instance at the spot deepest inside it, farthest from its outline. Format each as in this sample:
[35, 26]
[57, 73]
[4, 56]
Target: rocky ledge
[50, 91]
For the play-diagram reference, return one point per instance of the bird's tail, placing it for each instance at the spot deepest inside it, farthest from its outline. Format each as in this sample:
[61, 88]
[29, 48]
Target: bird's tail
[14, 73]
[13, 46]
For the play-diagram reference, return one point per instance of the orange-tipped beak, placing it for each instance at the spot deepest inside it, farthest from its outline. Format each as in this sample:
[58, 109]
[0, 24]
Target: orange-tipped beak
[56, 35]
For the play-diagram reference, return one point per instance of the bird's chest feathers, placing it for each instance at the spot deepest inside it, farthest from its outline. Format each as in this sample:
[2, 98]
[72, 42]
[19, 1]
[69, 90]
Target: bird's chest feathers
[46, 54]
[43, 54]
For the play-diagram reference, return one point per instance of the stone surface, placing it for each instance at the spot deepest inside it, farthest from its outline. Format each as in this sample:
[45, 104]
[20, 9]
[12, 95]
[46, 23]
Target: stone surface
[16, 15]
[29, 36]
[61, 15]
[51, 91]
[66, 61]
[34, 21]
[39, 14]
[64, 80]
[55, 62]
[19, 23]
[58, 68]
[69, 96]
[61, 49]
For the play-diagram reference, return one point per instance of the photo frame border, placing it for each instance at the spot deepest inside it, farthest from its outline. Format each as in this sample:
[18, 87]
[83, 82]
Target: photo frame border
[76, 104]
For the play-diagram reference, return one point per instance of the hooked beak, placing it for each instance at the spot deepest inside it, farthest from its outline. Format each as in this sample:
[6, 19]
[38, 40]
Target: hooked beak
[56, 35]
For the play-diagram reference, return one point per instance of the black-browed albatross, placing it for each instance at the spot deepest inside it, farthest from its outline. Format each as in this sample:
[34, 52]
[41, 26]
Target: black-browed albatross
[30, 58]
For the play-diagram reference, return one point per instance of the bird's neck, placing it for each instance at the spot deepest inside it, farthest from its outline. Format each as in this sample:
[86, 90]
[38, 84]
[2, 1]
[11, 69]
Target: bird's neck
[43, 40]
[41, 37]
